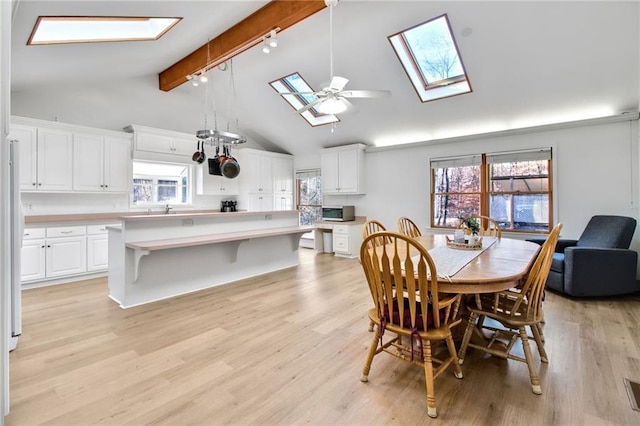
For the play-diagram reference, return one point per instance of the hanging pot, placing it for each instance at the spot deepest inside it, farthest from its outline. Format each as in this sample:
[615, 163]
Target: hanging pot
[196, 154]
[214, 164]
[230, 168]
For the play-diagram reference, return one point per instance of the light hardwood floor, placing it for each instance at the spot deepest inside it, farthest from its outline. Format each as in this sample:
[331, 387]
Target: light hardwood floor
[288, 348]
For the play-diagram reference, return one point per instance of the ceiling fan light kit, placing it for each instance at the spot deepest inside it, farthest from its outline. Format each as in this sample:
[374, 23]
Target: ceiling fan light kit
[333, 99]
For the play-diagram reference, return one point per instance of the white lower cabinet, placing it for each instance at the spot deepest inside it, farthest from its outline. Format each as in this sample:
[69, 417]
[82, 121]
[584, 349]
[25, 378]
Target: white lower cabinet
[33, 254]
[260, 202]
[347, 239]
[66, 256]
[63, 251]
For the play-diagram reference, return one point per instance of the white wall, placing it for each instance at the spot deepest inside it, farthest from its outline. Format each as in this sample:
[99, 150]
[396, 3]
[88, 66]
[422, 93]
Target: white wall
[595, 172]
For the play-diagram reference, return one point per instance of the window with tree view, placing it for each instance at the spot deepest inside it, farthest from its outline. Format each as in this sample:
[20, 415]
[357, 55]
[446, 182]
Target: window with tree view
[513, 188]
[160, 183]
[309, 186]
[430, 57]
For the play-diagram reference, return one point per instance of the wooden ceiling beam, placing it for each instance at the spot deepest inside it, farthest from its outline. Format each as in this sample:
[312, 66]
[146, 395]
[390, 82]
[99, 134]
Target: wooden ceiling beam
[275, 14]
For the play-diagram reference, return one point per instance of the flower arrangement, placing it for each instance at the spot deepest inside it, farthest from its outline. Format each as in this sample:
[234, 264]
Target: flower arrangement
[472, 224]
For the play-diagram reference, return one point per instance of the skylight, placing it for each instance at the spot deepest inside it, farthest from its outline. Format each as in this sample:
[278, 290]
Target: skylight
[295, 83]
[430, 57]
[92, 29]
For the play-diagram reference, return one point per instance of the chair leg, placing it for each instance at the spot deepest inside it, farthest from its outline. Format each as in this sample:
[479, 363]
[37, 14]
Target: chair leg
[457, 371]
[533, 375]
[467, 337]
[371, 324]
[428, 377]
[370, 355]
[539, 338]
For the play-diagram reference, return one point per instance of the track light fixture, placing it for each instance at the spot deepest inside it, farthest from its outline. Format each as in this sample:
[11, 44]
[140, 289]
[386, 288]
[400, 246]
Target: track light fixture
[273, 41]
[265, 46]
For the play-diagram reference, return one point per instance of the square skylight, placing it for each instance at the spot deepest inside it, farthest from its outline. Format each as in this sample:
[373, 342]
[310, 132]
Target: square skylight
[295, 83]
[93, 29]
[430, 57]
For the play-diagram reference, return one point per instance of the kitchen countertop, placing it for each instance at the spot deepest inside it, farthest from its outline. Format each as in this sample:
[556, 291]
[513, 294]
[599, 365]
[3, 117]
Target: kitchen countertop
[359, 220]
[116, 216]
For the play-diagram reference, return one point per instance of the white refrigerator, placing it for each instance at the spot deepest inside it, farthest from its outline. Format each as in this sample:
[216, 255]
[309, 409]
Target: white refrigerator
[16, 231]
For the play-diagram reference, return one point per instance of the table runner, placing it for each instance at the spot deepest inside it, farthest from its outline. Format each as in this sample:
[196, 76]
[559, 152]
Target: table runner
[449, 260]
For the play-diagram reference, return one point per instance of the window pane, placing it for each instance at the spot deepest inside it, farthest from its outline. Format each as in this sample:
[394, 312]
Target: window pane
[310, 199]
[523, 176]
[521, 212]
[434, 51]
[142, 190]
[457, 179]
[167, 191]
[309, 215]
[448, 209]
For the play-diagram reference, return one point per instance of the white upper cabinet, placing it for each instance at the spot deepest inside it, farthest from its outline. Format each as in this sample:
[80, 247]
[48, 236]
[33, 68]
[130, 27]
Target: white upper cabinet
[343, 170]
[207, 184]
[159, 144]
[282, 169]
[101, 163]
[257, 173]
[46, 157]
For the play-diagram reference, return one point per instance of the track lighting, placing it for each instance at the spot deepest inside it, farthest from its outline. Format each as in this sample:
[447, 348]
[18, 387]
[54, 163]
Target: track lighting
[265, 46]
[273, 41]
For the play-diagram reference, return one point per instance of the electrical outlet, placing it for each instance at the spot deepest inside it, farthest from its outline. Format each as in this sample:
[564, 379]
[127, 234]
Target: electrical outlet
[187, 222]
[267, 217]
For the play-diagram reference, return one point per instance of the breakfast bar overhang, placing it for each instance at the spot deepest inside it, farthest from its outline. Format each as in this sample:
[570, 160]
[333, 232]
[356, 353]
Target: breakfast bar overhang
[155, 257]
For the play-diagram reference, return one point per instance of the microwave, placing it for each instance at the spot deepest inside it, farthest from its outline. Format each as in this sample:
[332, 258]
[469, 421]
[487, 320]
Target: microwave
[338, 213]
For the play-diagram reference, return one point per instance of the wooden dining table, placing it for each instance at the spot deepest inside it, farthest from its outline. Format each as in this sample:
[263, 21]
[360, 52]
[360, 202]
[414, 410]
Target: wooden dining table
[499, 267]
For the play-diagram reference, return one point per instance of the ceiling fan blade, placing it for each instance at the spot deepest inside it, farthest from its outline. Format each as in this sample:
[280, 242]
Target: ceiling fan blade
[309, 105]
[366, 93]
[338, 83]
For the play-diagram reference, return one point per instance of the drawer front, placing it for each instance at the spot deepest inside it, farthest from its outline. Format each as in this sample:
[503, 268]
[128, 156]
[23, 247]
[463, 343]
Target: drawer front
[341, 229]
[98, 229]
[323, 226]
[340, 243]
[33, 233]
[66, 231]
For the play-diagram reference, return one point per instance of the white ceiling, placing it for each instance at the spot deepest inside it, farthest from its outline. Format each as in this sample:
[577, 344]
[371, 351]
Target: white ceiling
[529, 63]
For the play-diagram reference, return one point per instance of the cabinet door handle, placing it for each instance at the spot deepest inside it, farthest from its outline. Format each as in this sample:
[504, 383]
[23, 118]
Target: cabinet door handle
[48, 246]
[42, 247]
[66, 232]
[34, 184]
[39, 184]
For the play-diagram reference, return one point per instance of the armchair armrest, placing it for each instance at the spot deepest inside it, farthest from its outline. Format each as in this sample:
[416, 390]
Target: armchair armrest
[600, 271]
[560, 246]
[564, 244]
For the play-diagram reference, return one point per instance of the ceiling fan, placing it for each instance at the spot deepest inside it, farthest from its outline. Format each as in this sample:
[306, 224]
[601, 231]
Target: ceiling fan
[332, 99]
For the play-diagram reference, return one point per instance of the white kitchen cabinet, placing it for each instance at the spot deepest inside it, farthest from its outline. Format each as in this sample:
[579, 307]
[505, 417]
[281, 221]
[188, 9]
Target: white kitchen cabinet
[97, 248]
[343, 170]
[207, 184]
[260, 202]
[66, 251]
[101, 163]
[53, 252]
[32, 254]
[282, 201]
[256, 172]
[46, 157]
[165, 144]
[346, 237]
[282, 169]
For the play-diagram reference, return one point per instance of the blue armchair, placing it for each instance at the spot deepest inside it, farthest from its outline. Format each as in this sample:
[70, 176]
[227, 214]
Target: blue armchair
[599, 263]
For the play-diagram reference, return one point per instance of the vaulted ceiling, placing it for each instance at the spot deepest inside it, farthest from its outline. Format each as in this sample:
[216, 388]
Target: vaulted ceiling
[529, 63]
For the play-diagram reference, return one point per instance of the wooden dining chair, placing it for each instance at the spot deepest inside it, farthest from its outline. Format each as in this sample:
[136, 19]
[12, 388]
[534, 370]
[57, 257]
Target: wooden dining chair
[514, 310]
[488, 227]
[417, 317]
[407, 227]
[371, 226]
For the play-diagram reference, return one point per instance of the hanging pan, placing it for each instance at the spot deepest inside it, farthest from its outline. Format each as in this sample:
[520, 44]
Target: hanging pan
[214, 164]
[230, 168]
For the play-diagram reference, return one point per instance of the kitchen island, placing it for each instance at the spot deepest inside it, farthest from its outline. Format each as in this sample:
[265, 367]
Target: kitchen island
[154, 257]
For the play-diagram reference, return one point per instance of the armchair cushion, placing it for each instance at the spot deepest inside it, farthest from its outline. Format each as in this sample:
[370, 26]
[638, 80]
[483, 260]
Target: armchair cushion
[599, 263]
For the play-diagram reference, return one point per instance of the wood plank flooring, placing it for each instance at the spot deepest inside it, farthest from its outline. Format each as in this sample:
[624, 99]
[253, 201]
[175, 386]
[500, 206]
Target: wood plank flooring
[288, 348]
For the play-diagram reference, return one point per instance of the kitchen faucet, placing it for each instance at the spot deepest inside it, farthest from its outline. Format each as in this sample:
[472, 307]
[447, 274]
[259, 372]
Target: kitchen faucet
[167, 208]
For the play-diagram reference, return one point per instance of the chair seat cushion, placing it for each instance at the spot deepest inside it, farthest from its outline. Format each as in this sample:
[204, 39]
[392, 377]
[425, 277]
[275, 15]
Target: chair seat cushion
[405, 322]
[557, 264]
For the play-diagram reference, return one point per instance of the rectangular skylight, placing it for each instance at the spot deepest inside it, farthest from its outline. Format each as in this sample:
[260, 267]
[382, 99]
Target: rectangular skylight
[430, 57]
[92, 29]
[295, 83]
